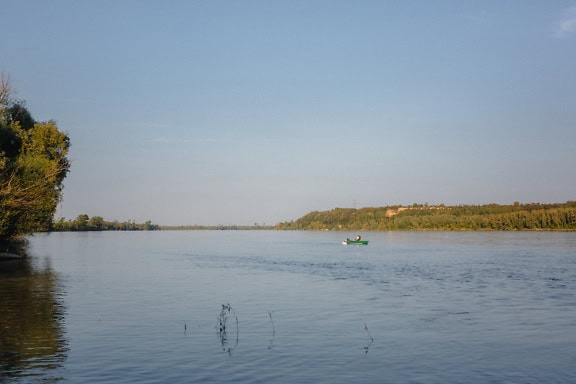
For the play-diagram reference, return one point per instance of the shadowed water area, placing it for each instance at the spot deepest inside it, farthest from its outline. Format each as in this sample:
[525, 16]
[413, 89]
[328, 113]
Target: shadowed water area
[290, 307]
[32, 342]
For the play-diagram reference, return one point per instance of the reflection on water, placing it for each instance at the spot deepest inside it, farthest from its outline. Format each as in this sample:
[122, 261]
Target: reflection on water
[295, 307]
[32, 340]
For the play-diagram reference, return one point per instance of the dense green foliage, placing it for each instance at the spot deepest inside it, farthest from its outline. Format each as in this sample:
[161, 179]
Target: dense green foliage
[33, 165]
[97, 223]
[517, 217]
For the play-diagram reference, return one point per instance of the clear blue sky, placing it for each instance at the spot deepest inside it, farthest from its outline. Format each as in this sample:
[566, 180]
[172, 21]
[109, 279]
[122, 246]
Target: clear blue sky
[236, 112]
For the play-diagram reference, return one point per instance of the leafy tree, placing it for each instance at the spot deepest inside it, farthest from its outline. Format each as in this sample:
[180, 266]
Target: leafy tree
[96, 223]
[17, 112]
[33, 165]
[81, 222]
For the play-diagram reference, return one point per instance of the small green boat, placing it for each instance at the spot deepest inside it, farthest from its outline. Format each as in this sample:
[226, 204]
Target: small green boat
[360, 242]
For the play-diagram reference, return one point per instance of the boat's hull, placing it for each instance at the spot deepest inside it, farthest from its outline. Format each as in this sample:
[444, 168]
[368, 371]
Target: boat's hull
[359, 242]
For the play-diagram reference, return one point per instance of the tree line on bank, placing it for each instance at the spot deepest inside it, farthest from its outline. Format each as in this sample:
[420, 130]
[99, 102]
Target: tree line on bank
[33, 165]
[516, 217]
[97, 223]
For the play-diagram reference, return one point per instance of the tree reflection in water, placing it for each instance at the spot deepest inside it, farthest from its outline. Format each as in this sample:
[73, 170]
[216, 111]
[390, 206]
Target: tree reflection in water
[31, 320]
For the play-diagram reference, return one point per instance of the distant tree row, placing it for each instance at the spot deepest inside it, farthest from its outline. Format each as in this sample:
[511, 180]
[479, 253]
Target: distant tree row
[516, 217]
[97, 223]
[256, 226]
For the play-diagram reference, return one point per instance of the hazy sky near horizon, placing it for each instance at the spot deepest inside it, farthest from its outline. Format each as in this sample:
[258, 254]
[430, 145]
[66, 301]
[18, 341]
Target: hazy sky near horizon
[242, 112]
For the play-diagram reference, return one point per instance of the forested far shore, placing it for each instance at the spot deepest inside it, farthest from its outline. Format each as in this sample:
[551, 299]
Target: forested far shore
[97, 223]
[495, 217]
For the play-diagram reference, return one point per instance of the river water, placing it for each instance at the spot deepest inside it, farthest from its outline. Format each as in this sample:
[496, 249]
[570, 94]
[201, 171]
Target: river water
[290, 307]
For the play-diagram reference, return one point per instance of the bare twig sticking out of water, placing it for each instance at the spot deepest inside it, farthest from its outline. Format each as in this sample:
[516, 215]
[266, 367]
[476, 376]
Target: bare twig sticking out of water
[221, 326]
[367, 347]
[273, 330]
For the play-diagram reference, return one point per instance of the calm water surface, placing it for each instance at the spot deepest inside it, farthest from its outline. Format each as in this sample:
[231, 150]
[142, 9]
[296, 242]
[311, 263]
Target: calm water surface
[414, 307]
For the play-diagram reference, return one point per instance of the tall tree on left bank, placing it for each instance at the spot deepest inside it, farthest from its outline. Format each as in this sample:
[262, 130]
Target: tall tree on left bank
[33, 165]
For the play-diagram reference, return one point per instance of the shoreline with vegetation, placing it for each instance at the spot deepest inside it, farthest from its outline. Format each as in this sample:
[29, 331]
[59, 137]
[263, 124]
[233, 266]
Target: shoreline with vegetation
[84, 223]
[424, 217]
[417, 217]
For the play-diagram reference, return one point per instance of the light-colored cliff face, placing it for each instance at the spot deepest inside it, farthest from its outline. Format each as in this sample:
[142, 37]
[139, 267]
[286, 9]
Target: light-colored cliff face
[393, 212]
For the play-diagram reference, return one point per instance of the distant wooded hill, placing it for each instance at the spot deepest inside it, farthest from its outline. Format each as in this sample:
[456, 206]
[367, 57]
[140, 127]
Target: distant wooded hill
[516, 217]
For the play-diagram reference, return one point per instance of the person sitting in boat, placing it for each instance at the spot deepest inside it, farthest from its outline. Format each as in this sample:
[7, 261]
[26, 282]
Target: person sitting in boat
[347, 241]
[358, 237]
